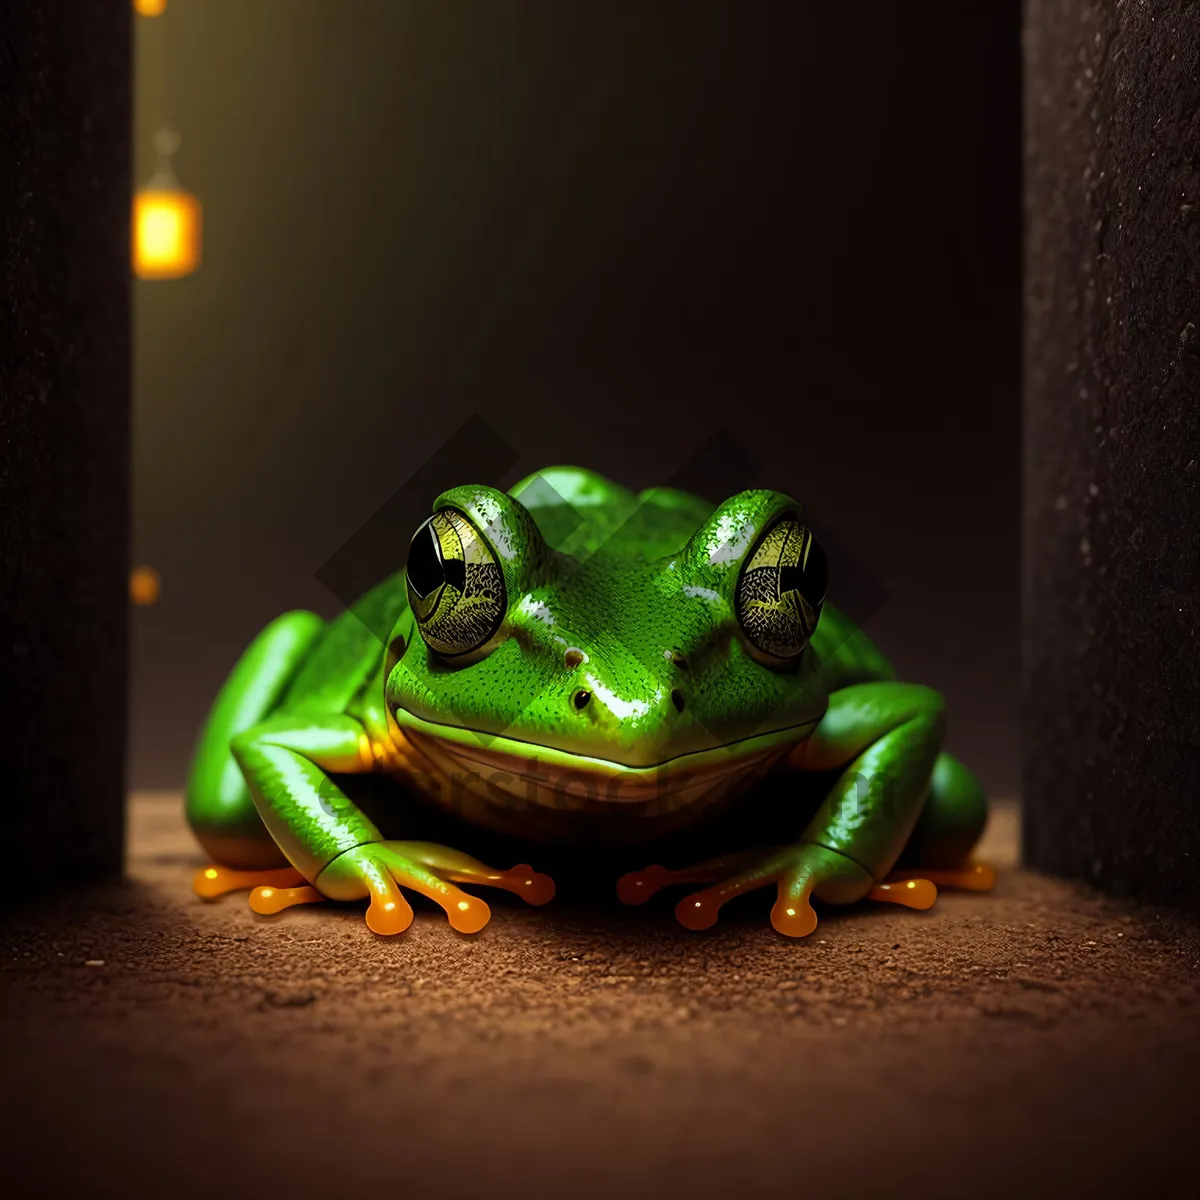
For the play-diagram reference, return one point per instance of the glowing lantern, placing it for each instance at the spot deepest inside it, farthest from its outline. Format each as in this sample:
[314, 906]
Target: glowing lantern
[149, 8]
[166, 220]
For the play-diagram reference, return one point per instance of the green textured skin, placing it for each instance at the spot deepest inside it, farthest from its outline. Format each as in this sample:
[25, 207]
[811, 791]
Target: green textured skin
[643, 589]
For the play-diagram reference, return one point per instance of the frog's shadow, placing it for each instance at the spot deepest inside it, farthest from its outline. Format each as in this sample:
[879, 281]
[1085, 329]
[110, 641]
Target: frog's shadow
[586, 875]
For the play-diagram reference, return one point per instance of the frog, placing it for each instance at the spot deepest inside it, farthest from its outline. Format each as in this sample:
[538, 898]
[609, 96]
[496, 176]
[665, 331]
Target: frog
[568, 663]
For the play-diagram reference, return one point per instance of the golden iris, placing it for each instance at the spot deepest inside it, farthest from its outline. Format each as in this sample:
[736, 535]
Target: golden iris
[455, 586]
[781, 589]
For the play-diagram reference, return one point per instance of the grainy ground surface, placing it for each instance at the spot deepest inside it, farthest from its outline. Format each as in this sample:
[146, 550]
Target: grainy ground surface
[1038, 1041]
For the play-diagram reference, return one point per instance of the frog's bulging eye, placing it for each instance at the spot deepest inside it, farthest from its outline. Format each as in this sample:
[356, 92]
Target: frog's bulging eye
[455, 586]
[782, 588]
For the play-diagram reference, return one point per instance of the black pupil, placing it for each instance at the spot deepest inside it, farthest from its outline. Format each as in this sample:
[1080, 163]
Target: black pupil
[811, 580]
[425, 570]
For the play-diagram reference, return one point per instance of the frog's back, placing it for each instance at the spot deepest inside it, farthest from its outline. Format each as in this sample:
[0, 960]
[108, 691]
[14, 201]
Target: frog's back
[579, 511]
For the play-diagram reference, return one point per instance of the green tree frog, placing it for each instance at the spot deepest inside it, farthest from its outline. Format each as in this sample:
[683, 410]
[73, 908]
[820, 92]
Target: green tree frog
[572, 663]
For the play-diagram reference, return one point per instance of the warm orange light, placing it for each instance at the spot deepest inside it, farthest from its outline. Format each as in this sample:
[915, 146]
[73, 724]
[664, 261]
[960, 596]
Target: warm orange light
[166, 233]
[145, 586]
[149, 8]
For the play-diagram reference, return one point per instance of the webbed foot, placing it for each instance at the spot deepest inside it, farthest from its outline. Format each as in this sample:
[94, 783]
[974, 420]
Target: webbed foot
[377, 870]
[799, 873]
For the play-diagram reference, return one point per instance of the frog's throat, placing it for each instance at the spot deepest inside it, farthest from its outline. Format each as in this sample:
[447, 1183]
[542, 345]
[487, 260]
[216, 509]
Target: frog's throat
[447, 759]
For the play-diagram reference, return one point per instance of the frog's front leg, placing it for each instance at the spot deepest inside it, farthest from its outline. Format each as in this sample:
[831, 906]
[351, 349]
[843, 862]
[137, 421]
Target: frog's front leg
[335, 851]
[887, 736]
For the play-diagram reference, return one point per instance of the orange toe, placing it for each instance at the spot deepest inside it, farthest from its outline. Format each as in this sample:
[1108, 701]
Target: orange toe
[638, 886]
[532, 886]
[389, 915]
[974, 877]
[467, 914]
[267, 901]
[793, 916]
[912, 893]
[698, 911]
[213, 881]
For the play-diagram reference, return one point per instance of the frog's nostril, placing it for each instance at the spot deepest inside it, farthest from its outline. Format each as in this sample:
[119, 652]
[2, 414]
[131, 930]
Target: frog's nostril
[677, 699]
[574, 657]
[581, 698]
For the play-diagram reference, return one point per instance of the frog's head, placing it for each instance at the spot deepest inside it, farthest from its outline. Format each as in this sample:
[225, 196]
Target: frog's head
[613, 664]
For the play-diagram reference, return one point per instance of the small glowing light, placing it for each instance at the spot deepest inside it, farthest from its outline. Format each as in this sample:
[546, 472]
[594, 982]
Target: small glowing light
[791, 912]
[166, 220]
[912, 883]
[211, 873]
[149, 8]
[166, 233]
[389, 906]
[145, 587]
[463, 905]
[266, 893]
[698, 904]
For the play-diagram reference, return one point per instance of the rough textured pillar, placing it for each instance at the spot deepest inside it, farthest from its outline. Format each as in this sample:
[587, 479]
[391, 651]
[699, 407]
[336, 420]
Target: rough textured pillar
[1112, 413]
[64, 432]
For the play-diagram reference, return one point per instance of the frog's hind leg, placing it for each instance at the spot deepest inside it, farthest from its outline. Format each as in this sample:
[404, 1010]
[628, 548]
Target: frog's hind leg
[940, 847]
[220, 808]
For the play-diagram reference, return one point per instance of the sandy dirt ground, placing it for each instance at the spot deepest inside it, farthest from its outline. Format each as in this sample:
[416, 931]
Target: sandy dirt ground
[1042, 1040]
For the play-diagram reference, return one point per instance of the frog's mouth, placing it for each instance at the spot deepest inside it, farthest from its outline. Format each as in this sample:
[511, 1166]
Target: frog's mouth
[503, 771]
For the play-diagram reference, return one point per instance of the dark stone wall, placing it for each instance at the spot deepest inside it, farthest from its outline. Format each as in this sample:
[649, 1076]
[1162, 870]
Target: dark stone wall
[1112, 482]
[64, 429]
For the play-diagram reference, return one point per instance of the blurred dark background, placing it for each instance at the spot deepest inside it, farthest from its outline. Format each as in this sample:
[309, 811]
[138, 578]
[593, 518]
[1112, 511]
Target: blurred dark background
[612, 229]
